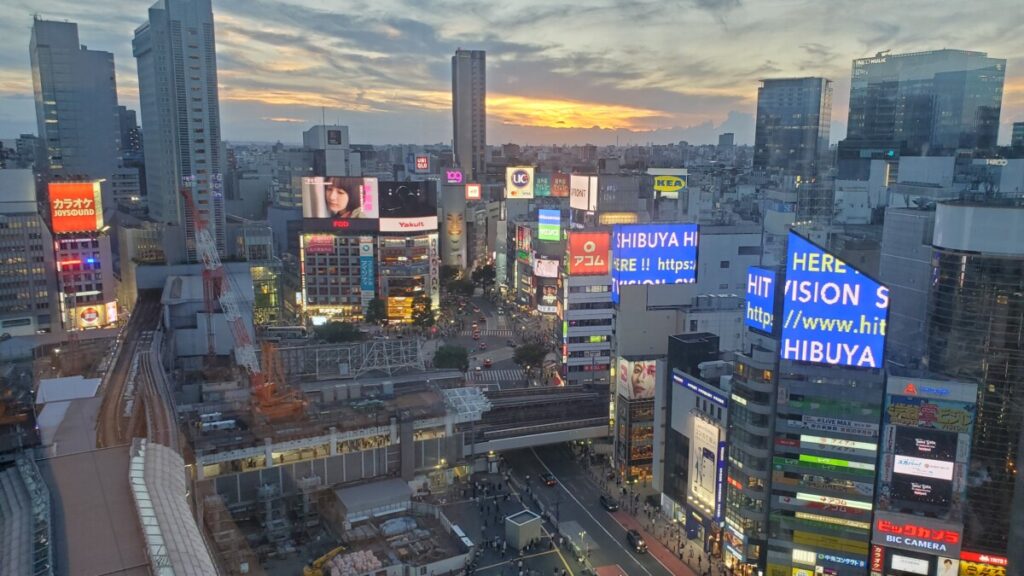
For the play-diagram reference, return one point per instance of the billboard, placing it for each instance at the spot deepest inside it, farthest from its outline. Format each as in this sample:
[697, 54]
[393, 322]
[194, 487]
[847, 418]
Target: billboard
[453, 176]
[549, 225]
[579, 192]
[704, 445]
[367, 278]
[922, 443]
[560, 185]
[760, 300]
[917, 533]
[319, 244]
[588, 253]
[519, 182]
[542, 185]
[833, 314]
[547, 297]
[75, 207]
[339, 197]
[653, 254]
[473, 191]
[407, 206]
[592, 199]
[544, 268]
[636, 378]
[952, 416]
[422, 164]
[524, 239]
[669, 185]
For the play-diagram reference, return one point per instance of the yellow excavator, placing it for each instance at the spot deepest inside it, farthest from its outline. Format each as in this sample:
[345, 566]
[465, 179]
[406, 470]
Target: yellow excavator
[317, 569]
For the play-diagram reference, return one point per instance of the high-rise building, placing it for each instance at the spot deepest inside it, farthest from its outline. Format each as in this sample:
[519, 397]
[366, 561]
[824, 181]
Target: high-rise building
[469, 110]
[975, 312]
[920, 104]
[76, 105]
[177, 62]
[1017, 135]
[905, 267]
[28, 302]
[793, 120]
[131, 135]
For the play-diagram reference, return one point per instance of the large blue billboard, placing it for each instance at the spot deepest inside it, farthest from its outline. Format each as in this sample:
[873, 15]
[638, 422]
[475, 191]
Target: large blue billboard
[653, 254]
[832, 313]
[760, 307]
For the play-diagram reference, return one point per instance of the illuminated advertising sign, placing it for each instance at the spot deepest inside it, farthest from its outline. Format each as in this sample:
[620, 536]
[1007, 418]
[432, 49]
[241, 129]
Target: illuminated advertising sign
[720, 473]
[549, 225]
[832, 313]
[519, 182]
[542, 185]
[407, 207]
[75, 207]
[837, 462]
[588, 253]
[842, 425]
[544, 268]
[916, 533]
[422, 164]
[877, 560]
[837, 444]
[435, 272]
[833, 501]
[923, 443]
[908, 564]
[636, 379]
[699, 389]
[984, 558]
[923, 467]
[669, 186]
[592, 202]
[704, 445]
[339, 197]
[579, 192]
[653, 254]
[975, 564]
[524, 240]
[111, 312]
[926, 413]
[367, 278]
[547, 298]
[842, 560]
[89, 316]
[319, 244]
[560, 185]
[453, 176]
[613, 218]
[760, 302]
[410, 225]
[472, 191]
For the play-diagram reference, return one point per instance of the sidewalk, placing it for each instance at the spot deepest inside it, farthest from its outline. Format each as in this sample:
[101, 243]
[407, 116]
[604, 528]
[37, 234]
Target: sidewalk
[654, 547]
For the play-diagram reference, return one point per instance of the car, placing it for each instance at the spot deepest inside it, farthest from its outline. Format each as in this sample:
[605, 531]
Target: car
[501, 311]
[609, 503]
[475, 325]
[636, 541]
[487, 363]
[478, 369]
[549, 479]
[483, 346]
[510, 342]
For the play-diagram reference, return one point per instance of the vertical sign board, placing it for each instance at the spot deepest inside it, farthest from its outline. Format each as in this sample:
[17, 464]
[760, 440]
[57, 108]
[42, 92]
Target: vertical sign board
[549, 225]
[542, 185]
[832, 314]
[579, 192]
[560, 185]
[367, 278]
[519, 182]
[435, 272]
[653, 254]
[760, 300]
[720, 473]
[704, 448]
[75, 207]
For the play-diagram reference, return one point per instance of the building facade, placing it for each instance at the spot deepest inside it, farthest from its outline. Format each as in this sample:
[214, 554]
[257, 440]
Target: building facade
[469, 111]
[28, 288]
[794, 117]
[175, 51]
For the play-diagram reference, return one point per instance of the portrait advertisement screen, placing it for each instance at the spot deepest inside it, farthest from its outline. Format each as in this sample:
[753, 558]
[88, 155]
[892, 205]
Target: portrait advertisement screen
[407, 206]
[75, 207]
[588, 253]
[542, 185]
[760, 301]
[547, 297]
[560, 185]
[832, 313]
[339, 197]
[703, 460]
[636, 378]
[543, 268]
[922, 443]
[549, 225]
[653, 254]
[579, 192]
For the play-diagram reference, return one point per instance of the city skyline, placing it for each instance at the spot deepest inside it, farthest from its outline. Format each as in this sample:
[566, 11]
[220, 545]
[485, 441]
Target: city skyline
[554, 70]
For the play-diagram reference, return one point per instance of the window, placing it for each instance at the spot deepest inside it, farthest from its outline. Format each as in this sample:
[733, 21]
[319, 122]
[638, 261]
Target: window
[723, 264]
[693, 325]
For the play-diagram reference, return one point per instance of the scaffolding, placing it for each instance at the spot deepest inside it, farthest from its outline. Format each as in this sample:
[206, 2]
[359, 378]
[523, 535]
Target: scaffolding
[351, 360]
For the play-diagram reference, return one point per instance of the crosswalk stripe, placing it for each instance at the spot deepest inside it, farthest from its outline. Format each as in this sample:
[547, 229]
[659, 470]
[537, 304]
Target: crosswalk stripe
[505, 333]
[505, 375]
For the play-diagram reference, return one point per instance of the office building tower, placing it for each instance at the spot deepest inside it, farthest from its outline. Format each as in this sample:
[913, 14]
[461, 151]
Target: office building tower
[793, 120]
[920, 104]
[131, 135]
[906, 268]
[332, 154]
[975, 312]
[726, 141]
[76, 105]
[469, 111]
[28, 302]
[177, 62]
[1017, 136]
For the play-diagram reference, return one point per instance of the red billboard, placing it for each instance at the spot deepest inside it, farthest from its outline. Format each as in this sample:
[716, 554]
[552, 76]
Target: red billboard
[588, 253]
[75, 207]
[560, 185]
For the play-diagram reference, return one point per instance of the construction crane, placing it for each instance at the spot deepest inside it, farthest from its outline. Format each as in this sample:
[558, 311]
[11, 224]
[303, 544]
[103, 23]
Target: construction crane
[268, 400]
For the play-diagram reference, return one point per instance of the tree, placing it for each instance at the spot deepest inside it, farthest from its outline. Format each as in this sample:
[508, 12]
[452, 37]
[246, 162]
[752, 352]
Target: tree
[484, 276]
[530, 354]
[423, 311]
[461, 286]
[448, 273]
[377, 312]
[335, 332]
[454, 357]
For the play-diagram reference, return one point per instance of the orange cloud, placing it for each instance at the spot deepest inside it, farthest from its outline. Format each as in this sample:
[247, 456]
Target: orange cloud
[283, 119]
[557, 113]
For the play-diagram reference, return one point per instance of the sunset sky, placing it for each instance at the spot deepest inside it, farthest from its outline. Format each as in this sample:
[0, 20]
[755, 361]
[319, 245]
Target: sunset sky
[593, 71]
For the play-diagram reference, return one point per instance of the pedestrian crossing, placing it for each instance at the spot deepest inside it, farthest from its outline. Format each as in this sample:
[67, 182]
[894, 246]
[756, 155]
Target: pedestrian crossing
[484, 333]
[502, 375]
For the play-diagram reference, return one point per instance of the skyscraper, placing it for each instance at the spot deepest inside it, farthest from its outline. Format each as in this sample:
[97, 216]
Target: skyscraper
[793, 120]
[976, 310]
[177, 63]
[469, 110]
[921, 104]
[76, 105]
